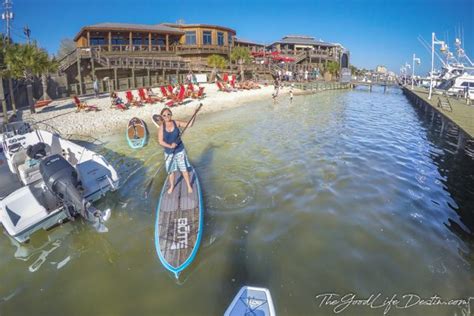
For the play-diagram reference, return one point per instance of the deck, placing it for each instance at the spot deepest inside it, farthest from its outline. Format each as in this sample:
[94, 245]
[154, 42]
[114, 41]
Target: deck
[455, 110]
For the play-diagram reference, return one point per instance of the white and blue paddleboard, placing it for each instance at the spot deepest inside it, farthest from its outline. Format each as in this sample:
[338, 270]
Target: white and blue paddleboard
[251, 301]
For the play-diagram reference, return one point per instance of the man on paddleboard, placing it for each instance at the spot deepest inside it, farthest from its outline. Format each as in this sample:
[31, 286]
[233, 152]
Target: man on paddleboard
[169, 136]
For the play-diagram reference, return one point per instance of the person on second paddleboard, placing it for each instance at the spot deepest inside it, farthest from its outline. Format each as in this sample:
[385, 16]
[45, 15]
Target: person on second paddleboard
[169, 137]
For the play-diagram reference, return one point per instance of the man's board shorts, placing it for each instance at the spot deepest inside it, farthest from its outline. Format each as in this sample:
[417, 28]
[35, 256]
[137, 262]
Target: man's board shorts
[178, 162]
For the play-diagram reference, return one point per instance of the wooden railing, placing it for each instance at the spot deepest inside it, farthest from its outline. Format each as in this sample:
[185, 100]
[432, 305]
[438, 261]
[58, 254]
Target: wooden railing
[133, 48]
[202, 49]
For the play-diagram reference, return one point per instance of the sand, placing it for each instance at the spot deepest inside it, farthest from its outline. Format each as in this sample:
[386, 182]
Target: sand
[62, 117]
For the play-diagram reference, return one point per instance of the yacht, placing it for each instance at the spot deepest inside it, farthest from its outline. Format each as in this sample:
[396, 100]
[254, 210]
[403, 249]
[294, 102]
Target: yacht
[47, 180]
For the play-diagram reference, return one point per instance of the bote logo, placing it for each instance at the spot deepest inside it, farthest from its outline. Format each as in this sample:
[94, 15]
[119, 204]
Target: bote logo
[181, 234]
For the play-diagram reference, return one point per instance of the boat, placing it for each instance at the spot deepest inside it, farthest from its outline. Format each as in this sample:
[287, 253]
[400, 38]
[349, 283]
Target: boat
[137, 134]
[47, 180]
[179, 224]
[156, 119]
[459, 85]
[251, 301]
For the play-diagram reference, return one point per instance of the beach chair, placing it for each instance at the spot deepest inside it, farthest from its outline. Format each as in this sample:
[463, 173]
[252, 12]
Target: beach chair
[227, 87]
[164, 92]
[131, 99]
[221, 88]
[170, 89]
[199, 94]
[83, 106]
[144, 98]
[190, 90]
[178, 99]
[152, 96]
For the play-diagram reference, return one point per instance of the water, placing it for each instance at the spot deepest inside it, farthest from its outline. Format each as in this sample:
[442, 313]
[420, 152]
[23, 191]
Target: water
[341, 192]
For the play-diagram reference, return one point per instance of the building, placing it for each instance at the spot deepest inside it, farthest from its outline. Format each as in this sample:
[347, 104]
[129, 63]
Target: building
[131, 55]
[381, 69]
[306, 50]
[251, 45]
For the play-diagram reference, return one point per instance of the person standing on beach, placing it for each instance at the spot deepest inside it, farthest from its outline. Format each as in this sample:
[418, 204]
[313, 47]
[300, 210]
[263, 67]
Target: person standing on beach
[96, 87]
[169, 137]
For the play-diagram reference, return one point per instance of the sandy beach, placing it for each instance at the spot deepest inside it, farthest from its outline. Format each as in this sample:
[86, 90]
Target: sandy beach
[62, 115]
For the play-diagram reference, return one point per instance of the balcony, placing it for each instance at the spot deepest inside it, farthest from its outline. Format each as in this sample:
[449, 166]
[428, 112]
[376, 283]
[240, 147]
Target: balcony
[131, 50]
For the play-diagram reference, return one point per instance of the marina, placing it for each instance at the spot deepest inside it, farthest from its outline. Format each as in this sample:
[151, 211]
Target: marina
[175, 158]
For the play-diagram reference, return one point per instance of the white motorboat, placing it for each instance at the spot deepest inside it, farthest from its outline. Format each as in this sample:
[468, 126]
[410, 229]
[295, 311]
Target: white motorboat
[50, 179]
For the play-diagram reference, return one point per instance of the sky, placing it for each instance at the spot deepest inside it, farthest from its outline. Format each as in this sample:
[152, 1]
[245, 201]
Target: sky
[376, 32]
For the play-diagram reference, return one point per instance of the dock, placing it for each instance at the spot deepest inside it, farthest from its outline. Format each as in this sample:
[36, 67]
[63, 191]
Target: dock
[455, 110]
[317, 86]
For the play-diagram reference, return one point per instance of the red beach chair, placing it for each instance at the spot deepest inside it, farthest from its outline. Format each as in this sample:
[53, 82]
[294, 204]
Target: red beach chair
[143, 97]
[221, 88]
[199, 94]
[164, 92]
[131, 99]
[179, 99]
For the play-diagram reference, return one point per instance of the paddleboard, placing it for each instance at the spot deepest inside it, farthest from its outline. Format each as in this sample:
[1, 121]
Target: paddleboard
[136, 133]
[156, 119]
[251, 301]
[179, 223]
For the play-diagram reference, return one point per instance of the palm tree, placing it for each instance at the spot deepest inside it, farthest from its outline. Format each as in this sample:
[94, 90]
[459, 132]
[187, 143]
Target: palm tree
[333, 68]
[216, 62]
[28, 61]
[242, 56]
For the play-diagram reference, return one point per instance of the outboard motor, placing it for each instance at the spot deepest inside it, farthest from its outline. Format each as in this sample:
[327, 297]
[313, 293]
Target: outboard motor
[61, 179]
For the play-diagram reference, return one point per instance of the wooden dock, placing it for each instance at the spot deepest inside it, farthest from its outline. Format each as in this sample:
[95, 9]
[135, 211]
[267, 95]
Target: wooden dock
[317, 86]
[456, 110]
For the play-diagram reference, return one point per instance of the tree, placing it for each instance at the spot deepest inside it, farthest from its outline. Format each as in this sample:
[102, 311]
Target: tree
[216, 62]
[66, 46]
[333, 68]
[27, 61]
[242, 56]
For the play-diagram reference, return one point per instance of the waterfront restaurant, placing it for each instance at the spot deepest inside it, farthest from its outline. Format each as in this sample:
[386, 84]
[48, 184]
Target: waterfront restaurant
[295, 44]
[186, 40]
[121, 37]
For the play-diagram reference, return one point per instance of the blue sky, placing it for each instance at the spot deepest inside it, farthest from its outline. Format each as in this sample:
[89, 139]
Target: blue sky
[376, 32]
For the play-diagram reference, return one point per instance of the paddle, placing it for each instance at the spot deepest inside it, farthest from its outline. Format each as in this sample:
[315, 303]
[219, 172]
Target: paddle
[148, 187]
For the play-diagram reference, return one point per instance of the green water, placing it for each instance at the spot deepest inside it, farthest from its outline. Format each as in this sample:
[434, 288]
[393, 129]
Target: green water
[341, 192]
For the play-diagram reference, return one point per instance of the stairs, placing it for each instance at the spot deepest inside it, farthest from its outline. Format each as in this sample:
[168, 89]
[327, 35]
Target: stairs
[67, 61]
[444, 104]
[300, 57]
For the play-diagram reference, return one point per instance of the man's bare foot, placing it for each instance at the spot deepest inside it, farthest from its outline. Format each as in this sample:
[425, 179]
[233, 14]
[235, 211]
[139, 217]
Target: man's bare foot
[190, 190]
[170, 190]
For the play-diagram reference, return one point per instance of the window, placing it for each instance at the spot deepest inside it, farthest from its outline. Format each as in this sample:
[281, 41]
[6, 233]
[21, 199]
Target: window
[138, 41]
[118, 40]
[220, 38]
[191, 38]
[229, 38]
[97, 41]
[206, 38]
[159, 40]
